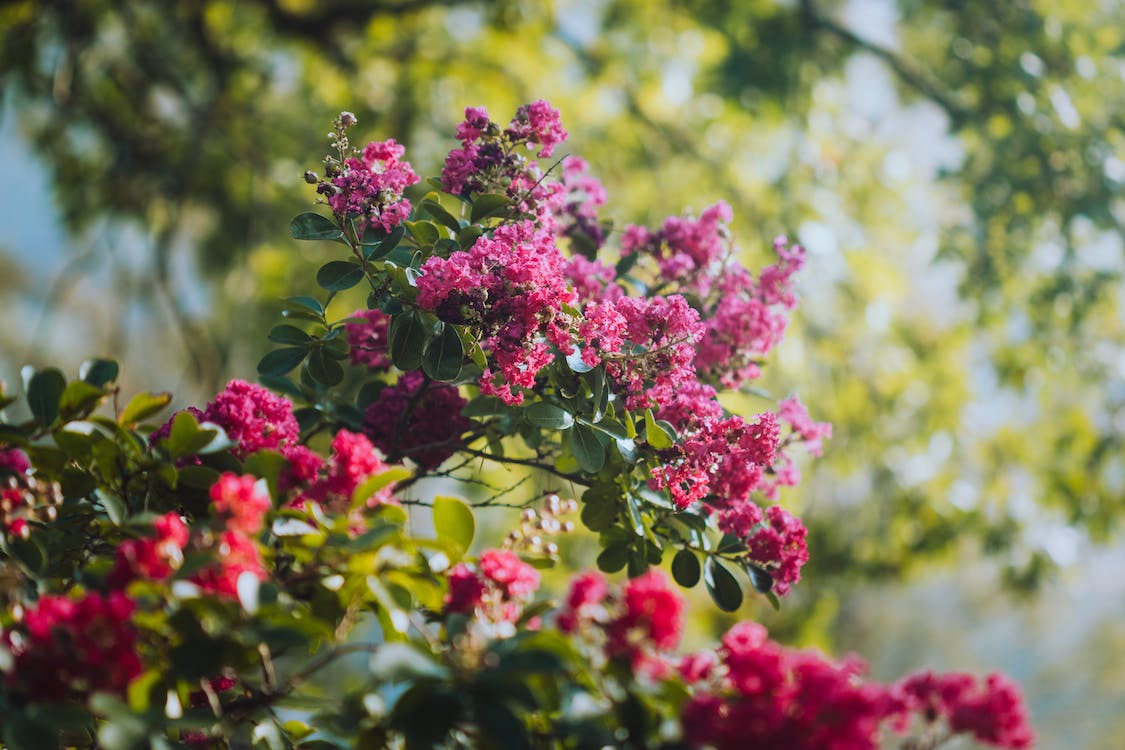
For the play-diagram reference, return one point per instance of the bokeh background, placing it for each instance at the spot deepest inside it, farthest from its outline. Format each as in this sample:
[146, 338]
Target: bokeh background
[955, 168]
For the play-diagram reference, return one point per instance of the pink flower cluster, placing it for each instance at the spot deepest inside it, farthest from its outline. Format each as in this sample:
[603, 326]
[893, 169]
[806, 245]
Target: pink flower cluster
[576, 212]
[371, 187]
[253, 417]
[367, 340]
[745, 318]
[353, 460]
[639, 625]
[496, 590]
[489, 159]
[992, 711]
[761, 694]
[14, 460]
[647, 344]
[418, 419]
[240, 504]
[151, 558]
[512, 288]
[687, 251]
[73, 647]
[756, 692]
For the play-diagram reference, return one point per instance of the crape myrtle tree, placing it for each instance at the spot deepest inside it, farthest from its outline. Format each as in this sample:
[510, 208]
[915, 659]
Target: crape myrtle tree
[194, 584]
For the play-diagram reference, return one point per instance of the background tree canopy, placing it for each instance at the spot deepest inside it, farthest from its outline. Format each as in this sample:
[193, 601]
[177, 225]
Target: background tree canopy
[955, 169]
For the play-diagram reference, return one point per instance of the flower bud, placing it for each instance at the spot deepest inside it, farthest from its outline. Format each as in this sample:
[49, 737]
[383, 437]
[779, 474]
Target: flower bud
[347, 119]
[311, 177]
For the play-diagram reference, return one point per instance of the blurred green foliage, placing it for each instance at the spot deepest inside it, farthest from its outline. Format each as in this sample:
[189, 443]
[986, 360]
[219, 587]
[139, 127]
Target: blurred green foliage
[956, 169]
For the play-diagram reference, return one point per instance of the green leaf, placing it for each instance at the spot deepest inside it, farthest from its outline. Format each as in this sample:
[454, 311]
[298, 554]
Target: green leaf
[575, 362]
[548, 416]
[431, 206]
[454, 520]
[425, 233]
[280, 361]
[287, 334]
[760, 579]
[636, 520]
[488, 205]
[598, 514]
[398, 662]
[485, 406]
[500, 727]
[722, 586]
[99, 371]
[613, 558]
[80, 397]
[338, 275]
[384, 247]
[186, 437]
[587, 449]
[407, 341]
[142, 406]
[685, 568]
[310, 226]
[468, 236]
[309, 305]
[113, 506]
[324, 369]
[368, 487]
[444, 355]
[43, 393]
[655, 434]
[28, 552]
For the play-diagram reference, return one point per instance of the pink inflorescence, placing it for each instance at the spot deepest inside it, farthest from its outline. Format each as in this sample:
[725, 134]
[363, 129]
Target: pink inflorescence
[253, 417]
[422, 425]
[14, 460]
[993, 711]
[371, 187]
[241, 502]
[151, 558]
[489, 159]
[367, 340]
[354, 459]
[512, 287]
[496, 590]
[74, 647]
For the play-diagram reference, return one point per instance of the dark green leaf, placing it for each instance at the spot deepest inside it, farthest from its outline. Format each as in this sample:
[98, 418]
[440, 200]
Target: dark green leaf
[613, 558]
[287, 334]
[587, 449]
[488, 205]
[310, 226]
[501, 727]
[444, 355]
[28, 552]
[685, 568]
[305, 304]
[548, 416]
[485, 406]
[468, 236]
[626, 263]
[113, 506]
[722, 586]
[99, 371]
[280, 361]
[338, 275]
[43, 393]
[407, 341]
[386, 245]
[324, 369]
[636, 520]
[187, 438]
[760, 579]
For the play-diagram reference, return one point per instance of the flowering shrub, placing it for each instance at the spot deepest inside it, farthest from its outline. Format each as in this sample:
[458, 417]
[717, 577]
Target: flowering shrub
[194, 583]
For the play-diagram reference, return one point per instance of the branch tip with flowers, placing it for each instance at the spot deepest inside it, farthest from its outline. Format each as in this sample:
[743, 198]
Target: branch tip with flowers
[200, 583]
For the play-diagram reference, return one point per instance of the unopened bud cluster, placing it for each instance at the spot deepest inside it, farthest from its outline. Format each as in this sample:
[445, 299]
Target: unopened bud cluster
[536, 525]
[27, 498]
